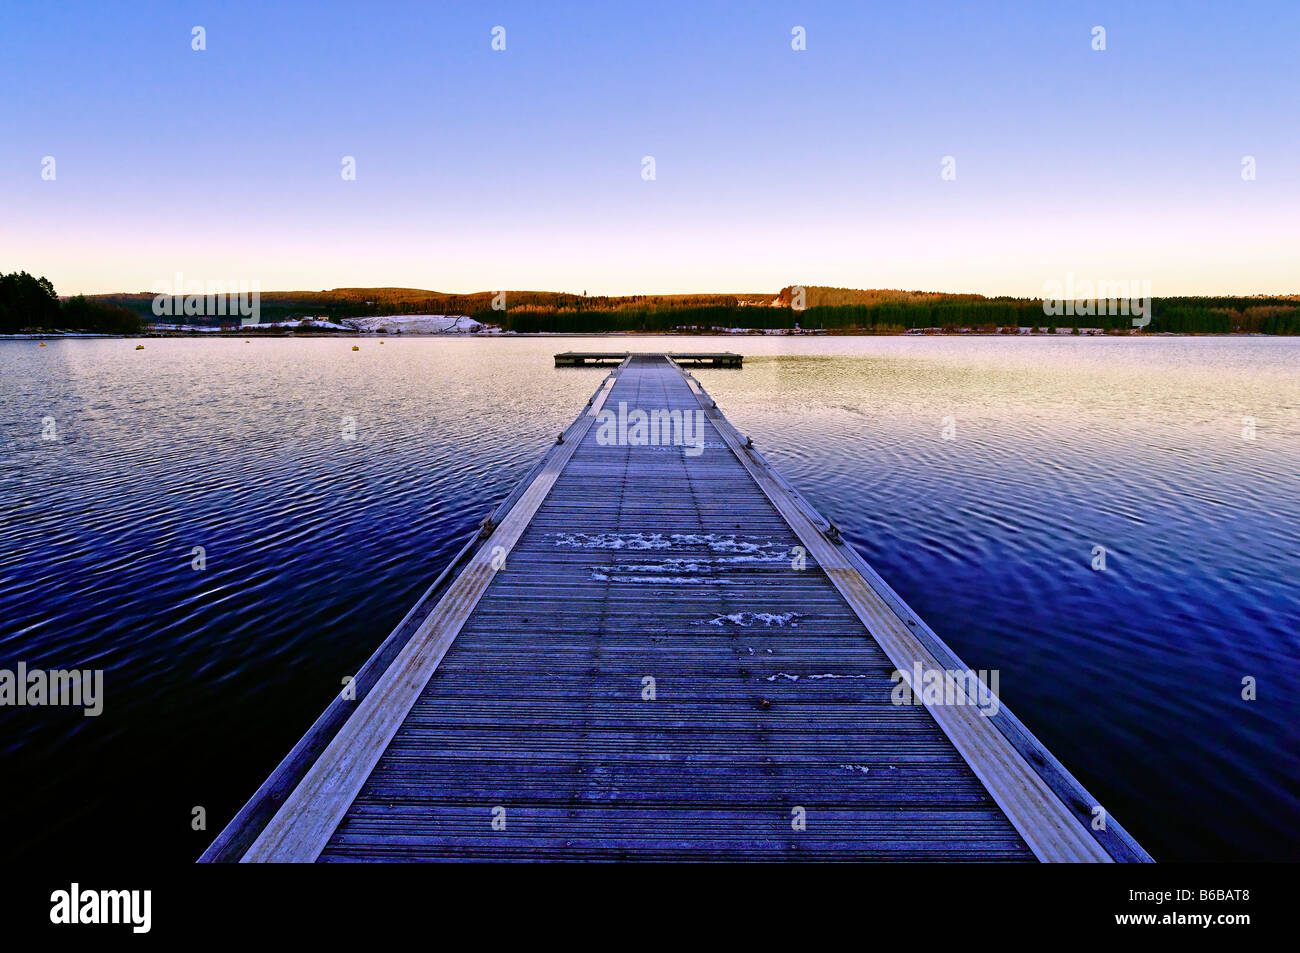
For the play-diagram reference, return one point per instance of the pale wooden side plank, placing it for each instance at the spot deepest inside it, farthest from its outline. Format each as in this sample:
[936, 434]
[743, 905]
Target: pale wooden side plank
[1037, 813]
[303, 825]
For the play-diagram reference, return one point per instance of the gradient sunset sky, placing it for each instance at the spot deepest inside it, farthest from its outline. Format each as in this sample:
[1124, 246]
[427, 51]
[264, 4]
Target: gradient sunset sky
[481, 170]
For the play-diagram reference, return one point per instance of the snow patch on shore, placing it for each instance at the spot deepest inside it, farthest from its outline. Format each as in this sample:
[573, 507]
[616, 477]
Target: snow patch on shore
[418, 324]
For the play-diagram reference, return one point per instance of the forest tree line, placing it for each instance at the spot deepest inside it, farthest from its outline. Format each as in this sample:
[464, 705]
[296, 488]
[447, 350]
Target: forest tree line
[1179, 315]
[29, 304]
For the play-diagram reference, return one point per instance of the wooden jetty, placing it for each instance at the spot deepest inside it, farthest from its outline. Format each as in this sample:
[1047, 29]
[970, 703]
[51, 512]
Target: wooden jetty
[663, 652]
[688, 359]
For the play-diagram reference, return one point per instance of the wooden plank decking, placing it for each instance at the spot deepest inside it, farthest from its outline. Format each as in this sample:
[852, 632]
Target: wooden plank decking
[510, 716]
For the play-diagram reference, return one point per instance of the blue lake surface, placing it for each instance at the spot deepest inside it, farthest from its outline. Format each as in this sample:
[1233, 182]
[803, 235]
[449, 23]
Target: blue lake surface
[1178, 456]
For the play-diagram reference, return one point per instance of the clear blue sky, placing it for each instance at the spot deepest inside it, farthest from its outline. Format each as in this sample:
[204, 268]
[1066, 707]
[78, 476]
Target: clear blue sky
[479, 170]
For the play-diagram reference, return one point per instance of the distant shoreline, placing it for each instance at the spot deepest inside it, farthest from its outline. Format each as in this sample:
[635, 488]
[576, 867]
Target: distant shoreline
[30, 304]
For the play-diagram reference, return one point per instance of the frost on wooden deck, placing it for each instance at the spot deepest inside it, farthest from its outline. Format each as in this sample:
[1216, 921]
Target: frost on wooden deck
[649, 676]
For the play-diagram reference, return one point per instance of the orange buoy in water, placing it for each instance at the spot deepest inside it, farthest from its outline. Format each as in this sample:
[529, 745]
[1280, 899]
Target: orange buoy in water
[355, 348]
[43, 343]
[139, 347]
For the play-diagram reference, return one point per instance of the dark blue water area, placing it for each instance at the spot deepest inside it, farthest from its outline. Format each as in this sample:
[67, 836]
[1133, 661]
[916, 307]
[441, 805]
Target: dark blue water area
[317, 543]
[1132, 675]
[315, 546]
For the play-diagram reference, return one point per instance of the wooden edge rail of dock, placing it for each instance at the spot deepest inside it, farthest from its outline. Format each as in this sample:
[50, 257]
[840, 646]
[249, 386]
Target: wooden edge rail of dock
[388, 774]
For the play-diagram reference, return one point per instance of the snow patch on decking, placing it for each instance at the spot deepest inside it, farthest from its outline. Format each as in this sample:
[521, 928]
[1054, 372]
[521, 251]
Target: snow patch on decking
[749, 619]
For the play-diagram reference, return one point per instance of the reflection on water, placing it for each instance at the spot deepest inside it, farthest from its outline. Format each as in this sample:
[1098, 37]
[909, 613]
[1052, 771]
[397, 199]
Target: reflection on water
[316, 545]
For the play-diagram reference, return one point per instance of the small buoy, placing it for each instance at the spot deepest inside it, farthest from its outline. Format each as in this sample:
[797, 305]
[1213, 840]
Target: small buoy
[246, 342]
[355, 348]
[139, 347]
[42, 344]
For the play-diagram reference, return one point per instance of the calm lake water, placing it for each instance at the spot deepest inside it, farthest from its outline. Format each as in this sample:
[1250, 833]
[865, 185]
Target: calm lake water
[316, 546]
